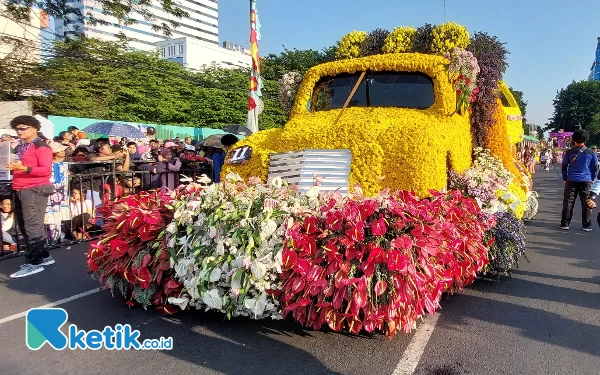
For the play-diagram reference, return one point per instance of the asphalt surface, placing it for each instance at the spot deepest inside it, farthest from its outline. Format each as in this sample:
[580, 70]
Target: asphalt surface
[544, 319]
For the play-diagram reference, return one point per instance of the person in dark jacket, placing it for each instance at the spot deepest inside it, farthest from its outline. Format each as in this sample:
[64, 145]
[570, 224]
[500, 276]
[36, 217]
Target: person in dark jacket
[579, 169]
[218, 157]
[32, 168]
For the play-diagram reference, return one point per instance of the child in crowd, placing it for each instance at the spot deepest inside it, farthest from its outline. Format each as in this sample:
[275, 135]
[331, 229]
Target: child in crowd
[8, 226]
[82, 212]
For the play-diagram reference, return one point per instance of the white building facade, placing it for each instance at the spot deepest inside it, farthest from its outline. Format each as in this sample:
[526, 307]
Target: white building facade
[201, 24]
[195, 54]
[25, 36]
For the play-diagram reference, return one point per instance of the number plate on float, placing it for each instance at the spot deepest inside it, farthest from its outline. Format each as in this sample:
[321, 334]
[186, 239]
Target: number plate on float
[240, 155]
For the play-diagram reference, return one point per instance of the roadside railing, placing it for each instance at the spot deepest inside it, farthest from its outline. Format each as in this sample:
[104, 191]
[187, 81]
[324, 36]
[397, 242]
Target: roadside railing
[100, 182]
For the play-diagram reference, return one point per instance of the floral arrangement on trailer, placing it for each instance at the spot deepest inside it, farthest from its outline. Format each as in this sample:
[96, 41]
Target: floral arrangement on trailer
[268, 251]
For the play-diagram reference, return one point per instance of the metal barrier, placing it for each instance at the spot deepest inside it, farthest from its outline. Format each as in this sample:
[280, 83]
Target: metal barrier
[99, 182]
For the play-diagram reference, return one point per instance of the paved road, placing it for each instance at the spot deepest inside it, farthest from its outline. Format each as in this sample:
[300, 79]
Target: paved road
[545, 319]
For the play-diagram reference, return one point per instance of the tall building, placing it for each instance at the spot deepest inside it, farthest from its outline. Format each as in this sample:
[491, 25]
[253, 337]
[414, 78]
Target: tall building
[595, 72]
[201, 24]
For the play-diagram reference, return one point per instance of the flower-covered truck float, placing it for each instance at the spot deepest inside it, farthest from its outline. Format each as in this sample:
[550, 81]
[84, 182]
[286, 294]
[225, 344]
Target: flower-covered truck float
[374, 239]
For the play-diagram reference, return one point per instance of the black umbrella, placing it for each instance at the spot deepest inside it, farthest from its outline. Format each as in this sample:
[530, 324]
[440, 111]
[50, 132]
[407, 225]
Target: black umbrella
[238, 130]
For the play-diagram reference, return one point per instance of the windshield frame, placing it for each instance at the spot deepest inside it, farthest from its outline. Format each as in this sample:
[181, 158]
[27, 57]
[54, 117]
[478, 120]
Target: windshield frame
[365, 84]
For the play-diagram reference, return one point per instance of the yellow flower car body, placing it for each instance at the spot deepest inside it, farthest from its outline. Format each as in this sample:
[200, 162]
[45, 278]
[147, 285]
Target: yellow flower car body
[395, 148]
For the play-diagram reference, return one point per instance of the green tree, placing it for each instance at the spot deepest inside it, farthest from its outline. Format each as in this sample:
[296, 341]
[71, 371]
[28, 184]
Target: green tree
[273, 66]
[96, 79]
[122, 10]
[578, 103]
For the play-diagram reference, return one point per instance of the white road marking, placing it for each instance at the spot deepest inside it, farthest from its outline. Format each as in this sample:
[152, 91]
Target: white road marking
[53, 304]
[412, 355]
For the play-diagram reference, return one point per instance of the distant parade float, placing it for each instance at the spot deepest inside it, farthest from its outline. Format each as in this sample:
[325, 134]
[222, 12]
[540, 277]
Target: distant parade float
[394, 181]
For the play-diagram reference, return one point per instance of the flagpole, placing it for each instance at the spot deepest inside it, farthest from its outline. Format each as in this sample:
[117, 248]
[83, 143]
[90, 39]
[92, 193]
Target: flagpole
[255, 103]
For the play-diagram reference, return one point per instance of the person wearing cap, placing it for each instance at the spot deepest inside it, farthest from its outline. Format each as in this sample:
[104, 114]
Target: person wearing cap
[151, 133]
[57, 209]
[32, 169]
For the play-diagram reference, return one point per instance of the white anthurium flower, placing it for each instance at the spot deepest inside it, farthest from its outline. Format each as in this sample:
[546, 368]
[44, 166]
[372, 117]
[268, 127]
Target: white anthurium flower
[172, 242]
[203, 274]
[212, 232]
[256, 305]
[192, 287]
[276, 182]
[279, 261]
[239, 261]
[215, 274]
[236, 282]
[171, 262]
[204, 179]
[213, 299]
[181, 302]
[182, 268]
[258, 270]
[220, 250]
[267, 228]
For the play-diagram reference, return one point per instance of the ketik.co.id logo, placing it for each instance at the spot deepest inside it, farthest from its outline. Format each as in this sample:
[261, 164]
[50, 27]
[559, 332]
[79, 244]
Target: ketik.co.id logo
[43, 326]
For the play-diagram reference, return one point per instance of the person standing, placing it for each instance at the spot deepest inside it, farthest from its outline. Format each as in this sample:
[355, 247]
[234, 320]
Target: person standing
[218, 157]
[579, 169]
[31, 169]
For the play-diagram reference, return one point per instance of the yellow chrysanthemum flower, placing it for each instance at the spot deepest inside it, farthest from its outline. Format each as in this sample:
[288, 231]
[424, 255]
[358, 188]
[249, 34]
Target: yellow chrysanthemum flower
[448, 36]
[349, 45]
[400, 40]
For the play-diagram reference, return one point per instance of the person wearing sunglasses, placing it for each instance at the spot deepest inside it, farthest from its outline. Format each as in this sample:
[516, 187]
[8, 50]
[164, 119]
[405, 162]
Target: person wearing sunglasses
[32, 168]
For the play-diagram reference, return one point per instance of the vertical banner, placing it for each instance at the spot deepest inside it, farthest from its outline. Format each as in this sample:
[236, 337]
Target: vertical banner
[255, 103]
[4, 160]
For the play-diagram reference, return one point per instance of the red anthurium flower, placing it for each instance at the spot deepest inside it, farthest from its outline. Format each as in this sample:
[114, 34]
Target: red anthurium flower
[301, 266]
[118, 248]
[402, 242]
[92, 265]
[143, 277]
[289, 258]
[378, 227]
[167, 309]
[297, 285]
[309, 246]
[130, 303]
[310, 225]
[334, 220]
[357, 232]
[355, 325]
[136, 218]
[146, 260]
[146, 232]
[331, 250]
[381, 287]
[376, 254]
[368, 208]
[153, 217]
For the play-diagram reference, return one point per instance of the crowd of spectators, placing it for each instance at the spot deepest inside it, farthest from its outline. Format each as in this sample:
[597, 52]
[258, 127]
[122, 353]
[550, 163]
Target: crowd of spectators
[87, 173]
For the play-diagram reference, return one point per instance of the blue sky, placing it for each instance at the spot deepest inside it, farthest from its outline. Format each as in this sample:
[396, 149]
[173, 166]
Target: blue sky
[551, 42]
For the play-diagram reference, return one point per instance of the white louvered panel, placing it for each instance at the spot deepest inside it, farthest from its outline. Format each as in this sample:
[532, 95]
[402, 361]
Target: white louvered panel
[301, 167]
